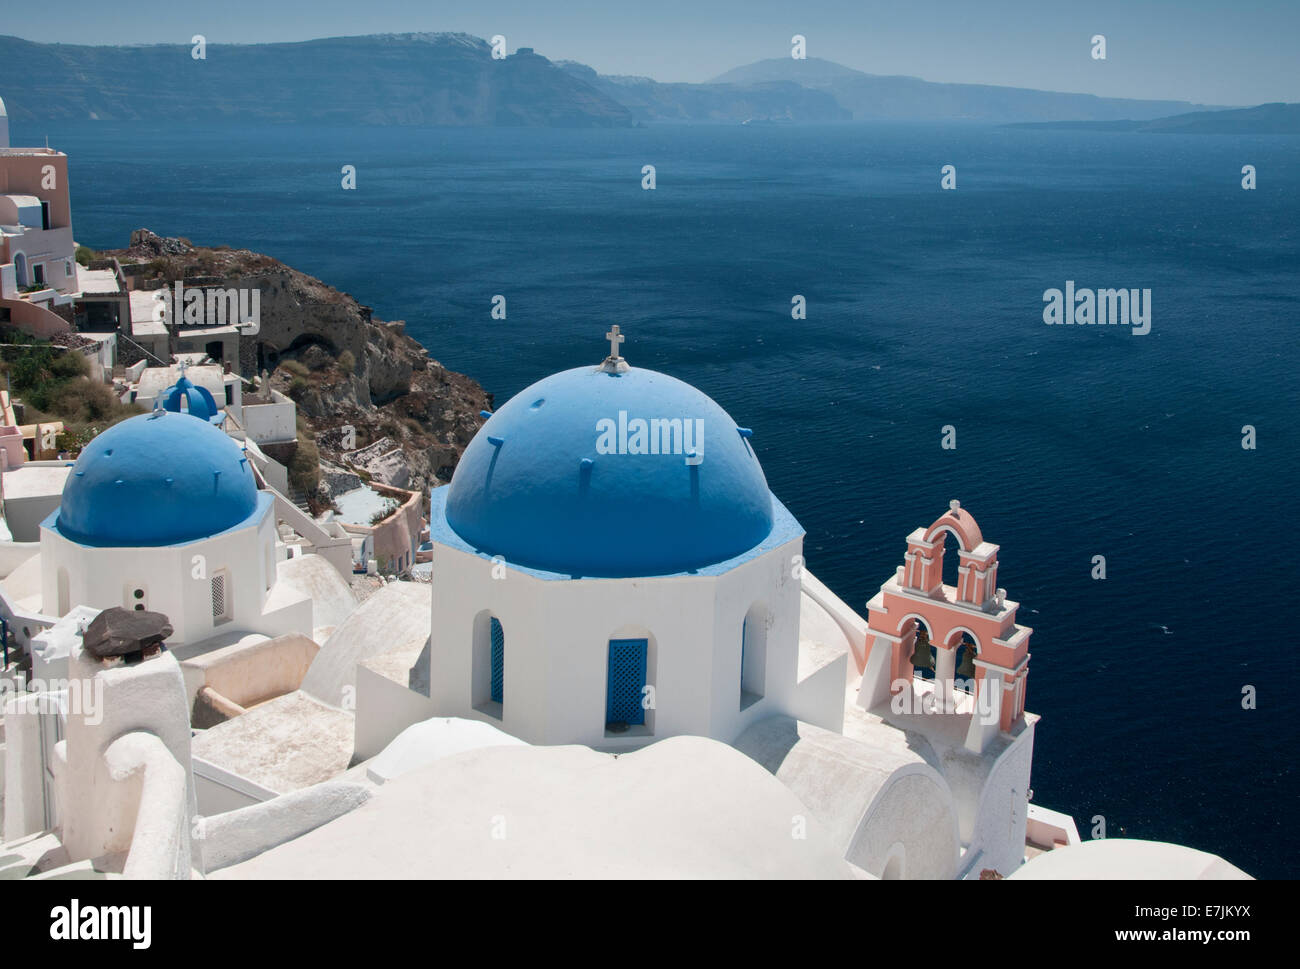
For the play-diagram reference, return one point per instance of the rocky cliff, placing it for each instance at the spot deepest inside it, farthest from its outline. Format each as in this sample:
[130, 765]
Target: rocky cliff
[411, 417]
[385, 79]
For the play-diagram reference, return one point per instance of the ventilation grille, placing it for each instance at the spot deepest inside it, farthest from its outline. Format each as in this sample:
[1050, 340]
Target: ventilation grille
[218, 597]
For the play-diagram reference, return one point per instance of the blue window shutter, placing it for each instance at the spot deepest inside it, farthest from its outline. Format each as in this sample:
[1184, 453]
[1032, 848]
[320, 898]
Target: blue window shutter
[627, 673]
[498, 660]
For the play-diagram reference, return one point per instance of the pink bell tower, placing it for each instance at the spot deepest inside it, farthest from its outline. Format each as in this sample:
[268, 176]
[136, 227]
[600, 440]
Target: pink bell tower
[975, 609]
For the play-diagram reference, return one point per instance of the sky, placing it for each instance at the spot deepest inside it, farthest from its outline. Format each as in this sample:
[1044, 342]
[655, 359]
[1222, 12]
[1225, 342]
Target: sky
[1205, 51]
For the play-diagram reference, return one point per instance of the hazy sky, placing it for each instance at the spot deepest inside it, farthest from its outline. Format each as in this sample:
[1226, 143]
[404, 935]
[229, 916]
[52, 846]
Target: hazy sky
[1208, 51]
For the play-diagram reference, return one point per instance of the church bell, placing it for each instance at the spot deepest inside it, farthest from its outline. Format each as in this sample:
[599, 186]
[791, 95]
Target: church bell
[921, 651]
[966, 670]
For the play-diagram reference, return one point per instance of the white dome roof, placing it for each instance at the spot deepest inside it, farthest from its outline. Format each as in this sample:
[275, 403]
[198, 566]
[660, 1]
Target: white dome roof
[1127, 858]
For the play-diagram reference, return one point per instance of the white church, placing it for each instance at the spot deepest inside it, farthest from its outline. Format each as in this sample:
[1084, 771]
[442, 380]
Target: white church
[621, 658]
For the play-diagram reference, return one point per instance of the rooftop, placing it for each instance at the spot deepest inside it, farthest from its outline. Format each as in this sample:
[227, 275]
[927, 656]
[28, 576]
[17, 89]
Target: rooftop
[93, 282]
[36, 480]
[686, 807]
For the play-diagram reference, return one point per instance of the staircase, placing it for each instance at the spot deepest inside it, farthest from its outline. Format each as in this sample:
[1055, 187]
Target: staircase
[299, 498]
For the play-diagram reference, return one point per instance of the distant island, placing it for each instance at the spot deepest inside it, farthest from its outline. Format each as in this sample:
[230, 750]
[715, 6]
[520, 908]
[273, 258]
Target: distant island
[1265, 119]
[453, 79]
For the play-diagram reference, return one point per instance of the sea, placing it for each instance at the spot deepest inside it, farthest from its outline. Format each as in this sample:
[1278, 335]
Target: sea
[1165, 712]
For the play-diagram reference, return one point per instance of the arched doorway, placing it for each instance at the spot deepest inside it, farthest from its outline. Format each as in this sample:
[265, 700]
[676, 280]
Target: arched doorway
[20, 269]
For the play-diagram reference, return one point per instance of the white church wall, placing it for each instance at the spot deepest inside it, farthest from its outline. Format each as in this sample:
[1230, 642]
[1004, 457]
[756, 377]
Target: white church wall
[384, 709]
[910, 828]
[888, 811]
[762, 590]
[178, 581]
[819, 696]
[557, 635]
[460, 590]
[105, 577]
[1002, 814]
[675, 615]
[852, 625]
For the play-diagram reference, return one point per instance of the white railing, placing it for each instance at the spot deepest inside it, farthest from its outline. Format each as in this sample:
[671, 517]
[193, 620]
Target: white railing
[160, 843]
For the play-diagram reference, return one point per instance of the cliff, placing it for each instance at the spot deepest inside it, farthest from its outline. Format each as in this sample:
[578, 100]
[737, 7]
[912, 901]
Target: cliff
[386, 79]
[452, 79]
[883, 97]
[342, 366]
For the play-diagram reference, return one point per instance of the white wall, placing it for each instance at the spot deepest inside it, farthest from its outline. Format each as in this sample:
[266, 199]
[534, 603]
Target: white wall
[557, 637]
[271, 423]
[25, 514]
[105, 577]
[99, 813]
[1002, 814]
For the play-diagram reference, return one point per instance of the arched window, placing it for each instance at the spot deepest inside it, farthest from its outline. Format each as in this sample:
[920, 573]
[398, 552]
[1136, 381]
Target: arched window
[488, 665]
[753, 655]
[964, 669]
[922, 653]
[65, 597]
[951, 561]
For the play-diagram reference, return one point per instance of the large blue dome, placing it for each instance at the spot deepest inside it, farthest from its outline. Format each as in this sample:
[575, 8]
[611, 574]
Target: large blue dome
[571, 476]
[157, 479]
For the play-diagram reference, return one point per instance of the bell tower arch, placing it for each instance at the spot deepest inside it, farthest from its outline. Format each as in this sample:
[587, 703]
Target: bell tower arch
[916, 610]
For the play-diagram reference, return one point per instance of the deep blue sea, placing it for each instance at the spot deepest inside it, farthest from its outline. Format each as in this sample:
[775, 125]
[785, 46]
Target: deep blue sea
[924, 309]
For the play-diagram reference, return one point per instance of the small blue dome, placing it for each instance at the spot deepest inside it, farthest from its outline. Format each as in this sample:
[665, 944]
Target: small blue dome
[589, 472]
[156, 479]
[185, 397]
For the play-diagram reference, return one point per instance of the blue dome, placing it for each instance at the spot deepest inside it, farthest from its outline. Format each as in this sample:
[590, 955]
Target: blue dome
[156, 479]
[589, 472]
[198, 401]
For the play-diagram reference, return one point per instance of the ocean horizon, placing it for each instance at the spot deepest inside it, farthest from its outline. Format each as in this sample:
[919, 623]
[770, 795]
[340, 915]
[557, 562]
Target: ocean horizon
[924, 310]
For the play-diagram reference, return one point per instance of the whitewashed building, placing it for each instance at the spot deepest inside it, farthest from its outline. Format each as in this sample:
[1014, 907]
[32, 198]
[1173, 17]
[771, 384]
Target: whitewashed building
[161, 512]
[610, 568]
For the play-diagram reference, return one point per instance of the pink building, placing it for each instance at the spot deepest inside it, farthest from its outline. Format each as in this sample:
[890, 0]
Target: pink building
[38, 267]
[395, 538]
